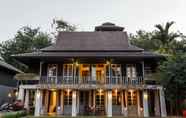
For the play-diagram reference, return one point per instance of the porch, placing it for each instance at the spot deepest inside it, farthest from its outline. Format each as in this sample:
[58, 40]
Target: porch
[97, 102]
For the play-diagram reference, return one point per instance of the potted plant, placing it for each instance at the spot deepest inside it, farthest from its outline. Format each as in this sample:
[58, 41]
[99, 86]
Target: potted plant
[184, 109]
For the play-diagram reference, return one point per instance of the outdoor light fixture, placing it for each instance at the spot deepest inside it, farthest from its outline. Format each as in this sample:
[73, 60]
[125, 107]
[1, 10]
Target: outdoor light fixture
[145, 96]
[108, 62]
[116, 91]
[100, 90]
[9, 95]
[38, 94]
[16, 93]
[77, 64]
[74, 95]
[68, 92]
[109, 95]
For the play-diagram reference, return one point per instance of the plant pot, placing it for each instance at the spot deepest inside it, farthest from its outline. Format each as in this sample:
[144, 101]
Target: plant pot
[184, 113]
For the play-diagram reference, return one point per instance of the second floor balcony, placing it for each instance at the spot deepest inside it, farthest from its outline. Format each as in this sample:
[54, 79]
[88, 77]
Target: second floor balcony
[113, 80]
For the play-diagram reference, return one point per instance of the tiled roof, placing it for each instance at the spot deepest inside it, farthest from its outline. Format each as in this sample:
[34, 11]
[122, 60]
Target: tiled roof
[108, 40]
[92, 41]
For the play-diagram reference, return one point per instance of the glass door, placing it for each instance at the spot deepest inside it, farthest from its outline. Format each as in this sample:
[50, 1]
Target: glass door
[132, 103]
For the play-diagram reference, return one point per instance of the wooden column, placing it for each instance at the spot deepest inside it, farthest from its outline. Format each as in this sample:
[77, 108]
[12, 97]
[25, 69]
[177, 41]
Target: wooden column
[138, 101]
[46, 101]
[62, 101]
[157, 103]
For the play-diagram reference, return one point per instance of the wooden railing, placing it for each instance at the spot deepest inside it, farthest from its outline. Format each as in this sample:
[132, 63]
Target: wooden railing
[114, 80]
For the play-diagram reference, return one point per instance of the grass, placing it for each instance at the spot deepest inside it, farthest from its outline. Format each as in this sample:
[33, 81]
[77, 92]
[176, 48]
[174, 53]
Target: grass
[94, 117]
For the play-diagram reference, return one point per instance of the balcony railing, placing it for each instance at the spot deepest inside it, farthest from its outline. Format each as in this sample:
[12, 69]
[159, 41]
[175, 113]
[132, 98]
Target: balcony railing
[114, 80]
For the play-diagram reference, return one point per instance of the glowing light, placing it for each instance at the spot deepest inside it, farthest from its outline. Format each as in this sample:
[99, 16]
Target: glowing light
[38, 94]
[131, 90]
[109, 95]
[102, 72]
[16, 93]
[145, 96]
[108, 62]
[116, 91]
[74, 94]
[9, 95]
[77, 64]
[141, 109]
[53, 89]
[100, 90]
[68, 92]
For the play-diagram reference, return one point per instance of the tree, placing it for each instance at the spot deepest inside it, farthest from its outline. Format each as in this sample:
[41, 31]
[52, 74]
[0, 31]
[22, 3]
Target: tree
[144, 40]
[173, 79]
[26, 40]
[166, 37]
[61, 25]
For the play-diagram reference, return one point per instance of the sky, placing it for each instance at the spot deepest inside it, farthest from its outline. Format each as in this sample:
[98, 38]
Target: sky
[86, 14]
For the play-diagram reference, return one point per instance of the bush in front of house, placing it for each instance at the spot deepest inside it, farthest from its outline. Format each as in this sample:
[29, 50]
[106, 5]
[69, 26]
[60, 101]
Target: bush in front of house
[16, 114]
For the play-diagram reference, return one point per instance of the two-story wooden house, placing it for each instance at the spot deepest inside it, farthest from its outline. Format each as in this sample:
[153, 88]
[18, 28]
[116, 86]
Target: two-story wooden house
[93, 73]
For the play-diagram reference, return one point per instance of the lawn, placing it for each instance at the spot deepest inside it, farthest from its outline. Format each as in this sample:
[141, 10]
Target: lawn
[94, 117]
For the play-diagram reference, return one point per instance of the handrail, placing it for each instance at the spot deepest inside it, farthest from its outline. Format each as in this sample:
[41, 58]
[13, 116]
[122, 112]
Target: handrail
[114, 80]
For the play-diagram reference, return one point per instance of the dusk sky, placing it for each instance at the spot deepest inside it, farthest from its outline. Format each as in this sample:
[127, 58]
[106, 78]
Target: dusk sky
[132, 14]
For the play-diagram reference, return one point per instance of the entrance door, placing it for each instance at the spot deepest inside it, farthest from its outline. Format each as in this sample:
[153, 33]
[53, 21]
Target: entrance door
[132, 103]
[100, 102]
[84, 102]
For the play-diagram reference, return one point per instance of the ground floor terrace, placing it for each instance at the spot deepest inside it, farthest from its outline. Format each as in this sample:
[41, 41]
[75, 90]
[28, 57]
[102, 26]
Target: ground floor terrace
[137, 102]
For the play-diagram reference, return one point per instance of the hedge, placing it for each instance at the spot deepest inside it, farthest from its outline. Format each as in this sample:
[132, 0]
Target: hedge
[16, 114]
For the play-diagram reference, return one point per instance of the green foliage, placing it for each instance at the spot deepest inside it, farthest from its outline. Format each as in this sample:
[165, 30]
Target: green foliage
[173, 78]
[144, 40]
[163, 34]
[160, 40]
[61, 25]
[17, 114]
[26, 40]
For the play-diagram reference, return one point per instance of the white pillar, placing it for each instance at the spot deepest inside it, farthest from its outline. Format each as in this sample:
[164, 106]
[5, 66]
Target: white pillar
[78, 102]
[145, 104]
[38, 103]
[122, 102]
[26, 104]
[162, 103]
[157, 103]
[74, 103]
[21, 94]
[109, 105]
[126, 102]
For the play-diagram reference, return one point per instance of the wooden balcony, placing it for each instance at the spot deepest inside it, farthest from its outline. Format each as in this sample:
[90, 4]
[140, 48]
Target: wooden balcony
[89, 82]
